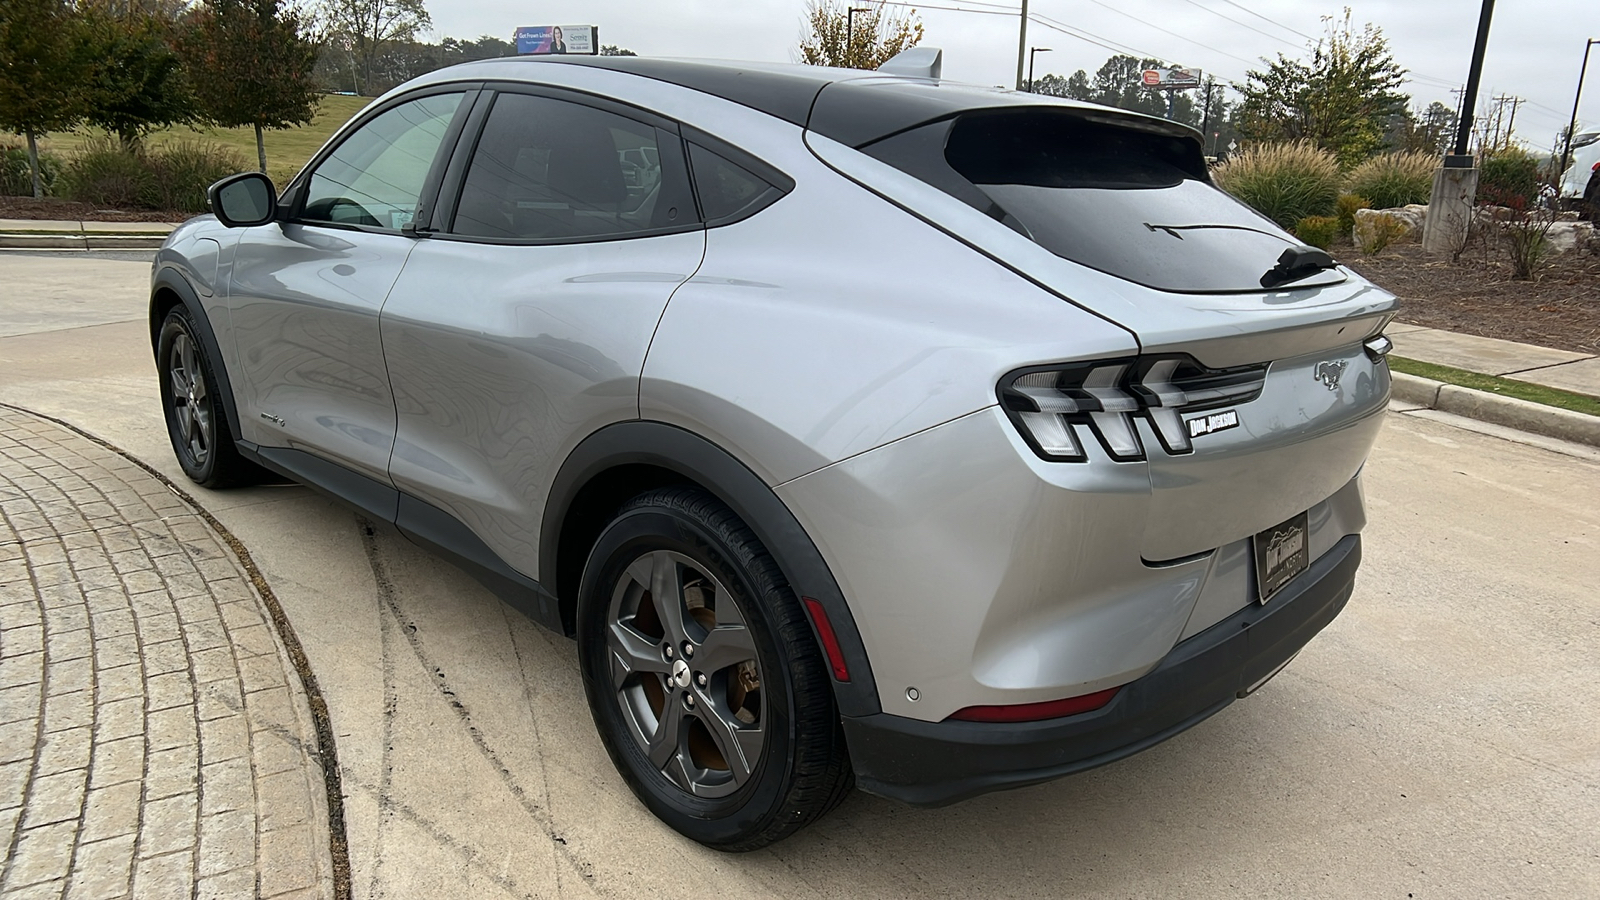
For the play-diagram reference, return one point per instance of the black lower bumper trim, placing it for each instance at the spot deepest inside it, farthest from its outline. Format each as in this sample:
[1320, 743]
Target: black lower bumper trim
[937, 763]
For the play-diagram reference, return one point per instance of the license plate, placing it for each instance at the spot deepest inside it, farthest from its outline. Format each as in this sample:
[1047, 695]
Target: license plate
[1281, 554]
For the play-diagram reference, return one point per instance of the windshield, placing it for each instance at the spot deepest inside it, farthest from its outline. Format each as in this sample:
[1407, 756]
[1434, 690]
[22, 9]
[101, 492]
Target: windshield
[1132, 203]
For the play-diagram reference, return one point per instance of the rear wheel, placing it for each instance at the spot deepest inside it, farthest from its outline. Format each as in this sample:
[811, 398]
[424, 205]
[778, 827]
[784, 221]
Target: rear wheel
[704, 680]
[196, 419]
[1591, 199]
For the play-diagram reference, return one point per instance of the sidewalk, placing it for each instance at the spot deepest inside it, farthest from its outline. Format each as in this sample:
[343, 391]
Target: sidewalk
[1565, 370]
[67, 234]
[154, 739]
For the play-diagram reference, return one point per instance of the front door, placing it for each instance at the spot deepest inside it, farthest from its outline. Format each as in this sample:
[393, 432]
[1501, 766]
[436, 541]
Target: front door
[305, 292]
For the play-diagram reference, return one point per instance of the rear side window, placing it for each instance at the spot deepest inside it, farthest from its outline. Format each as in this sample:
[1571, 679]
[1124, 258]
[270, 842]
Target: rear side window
[1132, 203]
[731, 184]
[547, 169]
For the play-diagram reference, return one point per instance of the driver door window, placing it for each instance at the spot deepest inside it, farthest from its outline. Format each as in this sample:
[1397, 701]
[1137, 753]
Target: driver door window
[374, 178]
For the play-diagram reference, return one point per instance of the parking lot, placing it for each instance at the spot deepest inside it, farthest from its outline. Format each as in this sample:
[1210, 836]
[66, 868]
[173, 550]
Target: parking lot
[1440, 739]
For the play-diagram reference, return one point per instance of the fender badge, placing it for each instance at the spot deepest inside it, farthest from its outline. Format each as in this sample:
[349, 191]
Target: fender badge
[1218, 421]
[1330, 372]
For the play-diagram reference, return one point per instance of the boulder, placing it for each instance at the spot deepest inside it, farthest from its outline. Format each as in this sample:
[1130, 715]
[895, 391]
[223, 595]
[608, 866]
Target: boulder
[1565, 236]
[1409, 218]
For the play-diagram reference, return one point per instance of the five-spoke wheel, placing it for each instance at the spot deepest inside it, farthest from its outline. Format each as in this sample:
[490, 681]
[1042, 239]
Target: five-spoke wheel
[703, 677]
[196, 421]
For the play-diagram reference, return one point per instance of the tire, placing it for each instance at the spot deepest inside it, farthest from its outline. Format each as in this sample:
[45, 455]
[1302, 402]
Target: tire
[735, 743]
[197, 420]
[1591, 199]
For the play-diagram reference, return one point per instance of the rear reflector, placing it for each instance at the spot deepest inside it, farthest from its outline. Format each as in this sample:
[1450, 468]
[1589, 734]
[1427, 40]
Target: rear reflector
[1033, 712]
[830, 641]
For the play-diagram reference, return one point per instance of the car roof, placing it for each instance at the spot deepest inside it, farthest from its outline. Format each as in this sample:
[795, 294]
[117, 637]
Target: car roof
[852, 106]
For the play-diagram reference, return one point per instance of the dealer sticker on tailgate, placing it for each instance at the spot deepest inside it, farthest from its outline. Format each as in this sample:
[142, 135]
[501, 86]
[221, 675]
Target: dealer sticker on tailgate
[1281, 554]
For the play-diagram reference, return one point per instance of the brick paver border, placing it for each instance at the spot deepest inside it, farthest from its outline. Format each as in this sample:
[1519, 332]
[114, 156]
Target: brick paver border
[161, 733]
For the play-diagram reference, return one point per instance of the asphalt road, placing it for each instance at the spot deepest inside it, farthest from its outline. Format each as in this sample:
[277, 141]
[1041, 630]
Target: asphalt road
[1440, 739]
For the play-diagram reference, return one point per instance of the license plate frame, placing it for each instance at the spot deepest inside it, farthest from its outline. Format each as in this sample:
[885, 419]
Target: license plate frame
[1282, 552]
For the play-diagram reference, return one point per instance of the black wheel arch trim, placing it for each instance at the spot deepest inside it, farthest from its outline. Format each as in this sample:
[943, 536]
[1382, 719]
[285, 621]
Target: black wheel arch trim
[696, 459]
[168, 278]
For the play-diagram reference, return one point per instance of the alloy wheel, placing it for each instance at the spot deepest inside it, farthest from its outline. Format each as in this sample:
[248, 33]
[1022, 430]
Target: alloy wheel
[191, 406]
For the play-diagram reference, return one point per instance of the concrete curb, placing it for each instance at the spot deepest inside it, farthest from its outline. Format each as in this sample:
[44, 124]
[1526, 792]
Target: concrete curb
[1493, 408]
[80, 241]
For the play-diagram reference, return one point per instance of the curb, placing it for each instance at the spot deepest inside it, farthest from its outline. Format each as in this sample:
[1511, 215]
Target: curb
[81, 241]
[1510, 412]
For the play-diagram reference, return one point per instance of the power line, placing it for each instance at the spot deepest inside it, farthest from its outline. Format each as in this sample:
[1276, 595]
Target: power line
[1248, 62]
[1091, 38]
[1271, 21]
[1241, 24]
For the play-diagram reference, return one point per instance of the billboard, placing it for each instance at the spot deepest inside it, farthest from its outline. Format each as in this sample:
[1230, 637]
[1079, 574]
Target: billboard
[547, 40]
[1173, 79]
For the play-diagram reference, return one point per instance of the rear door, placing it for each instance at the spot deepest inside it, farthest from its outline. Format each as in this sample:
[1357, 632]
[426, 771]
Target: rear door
[305, 292]
[520, 327]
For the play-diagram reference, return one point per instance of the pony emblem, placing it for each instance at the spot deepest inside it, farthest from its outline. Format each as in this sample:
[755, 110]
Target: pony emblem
[1330, 372]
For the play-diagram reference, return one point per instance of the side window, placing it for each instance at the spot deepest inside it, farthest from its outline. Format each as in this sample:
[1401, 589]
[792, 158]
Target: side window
[547, 169]
[375, 176]
[727, 189]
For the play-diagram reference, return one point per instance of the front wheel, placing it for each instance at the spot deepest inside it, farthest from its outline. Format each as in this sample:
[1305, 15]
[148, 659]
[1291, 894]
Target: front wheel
[196, 418]
[705, 683]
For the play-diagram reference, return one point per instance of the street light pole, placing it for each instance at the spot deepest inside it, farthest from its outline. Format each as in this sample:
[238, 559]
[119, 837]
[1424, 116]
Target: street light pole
[1022, 42]
[1566, 152]
[1460, 159]
[1031, 52]
[850, 31]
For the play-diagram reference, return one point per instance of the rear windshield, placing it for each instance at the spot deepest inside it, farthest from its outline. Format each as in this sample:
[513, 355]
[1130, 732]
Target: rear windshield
[1132, 203]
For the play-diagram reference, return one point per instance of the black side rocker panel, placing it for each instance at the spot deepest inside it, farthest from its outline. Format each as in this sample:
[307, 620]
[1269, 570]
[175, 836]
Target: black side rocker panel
[695, 458]
[423, 524]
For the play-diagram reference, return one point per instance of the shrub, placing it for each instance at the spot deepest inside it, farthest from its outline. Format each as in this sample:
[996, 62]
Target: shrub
[1395, 179]
[182, 171]
[1507, 174]
[1378, 232]
[1345, 209]
[169, 177]
[107, 174]
[1318, 231]
[16, 177]
[1284, 182]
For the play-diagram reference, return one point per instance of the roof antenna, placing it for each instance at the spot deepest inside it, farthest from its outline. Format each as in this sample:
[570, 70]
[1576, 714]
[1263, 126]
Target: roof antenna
[917, 62]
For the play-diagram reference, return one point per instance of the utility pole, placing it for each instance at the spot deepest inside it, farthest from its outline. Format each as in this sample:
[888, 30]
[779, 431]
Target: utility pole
[1566, 152]
[1461, 159]
[1031, 52]
[850, 31]
[1455, 184]
[1511, 126]
[1205, 117]
[1022, 42]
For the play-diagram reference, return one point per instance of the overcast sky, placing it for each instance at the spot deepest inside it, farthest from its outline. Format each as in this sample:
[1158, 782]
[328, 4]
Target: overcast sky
[1535, 47]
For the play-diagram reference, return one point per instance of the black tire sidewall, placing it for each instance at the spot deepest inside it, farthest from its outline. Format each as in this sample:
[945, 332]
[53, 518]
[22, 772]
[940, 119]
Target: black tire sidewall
[726, 820]
[178, 322]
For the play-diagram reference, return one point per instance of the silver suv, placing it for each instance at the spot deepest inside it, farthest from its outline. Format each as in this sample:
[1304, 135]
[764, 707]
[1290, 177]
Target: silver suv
[861, 427]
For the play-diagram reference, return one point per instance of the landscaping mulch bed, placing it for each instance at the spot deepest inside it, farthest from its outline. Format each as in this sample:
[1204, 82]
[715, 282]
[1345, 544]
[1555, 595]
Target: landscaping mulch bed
[53, 208]
[1560, 308]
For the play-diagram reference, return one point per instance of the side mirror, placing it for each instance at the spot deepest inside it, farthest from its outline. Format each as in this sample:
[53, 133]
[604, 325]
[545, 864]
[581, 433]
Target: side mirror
[244, 200]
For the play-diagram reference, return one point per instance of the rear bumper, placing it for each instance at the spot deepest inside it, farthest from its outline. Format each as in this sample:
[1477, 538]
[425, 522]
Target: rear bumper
[936, 763]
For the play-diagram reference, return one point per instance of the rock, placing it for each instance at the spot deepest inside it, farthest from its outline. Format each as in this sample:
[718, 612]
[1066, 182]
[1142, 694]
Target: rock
[1407, 219]
[1565, 236]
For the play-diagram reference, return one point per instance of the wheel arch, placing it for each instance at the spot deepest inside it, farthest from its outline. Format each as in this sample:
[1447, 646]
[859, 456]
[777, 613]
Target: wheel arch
[169, 289]
[623, 460]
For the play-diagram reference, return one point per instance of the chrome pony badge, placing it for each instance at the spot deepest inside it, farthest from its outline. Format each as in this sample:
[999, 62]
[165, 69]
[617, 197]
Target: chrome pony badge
[1329, 372]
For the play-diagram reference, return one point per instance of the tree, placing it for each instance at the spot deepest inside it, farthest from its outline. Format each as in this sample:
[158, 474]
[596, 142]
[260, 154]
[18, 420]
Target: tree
[363, 29]
[460, 50]
[614, 50]
[1339, 99]
[251, 63]
[136, 82]
[40, 89]
[872, 39]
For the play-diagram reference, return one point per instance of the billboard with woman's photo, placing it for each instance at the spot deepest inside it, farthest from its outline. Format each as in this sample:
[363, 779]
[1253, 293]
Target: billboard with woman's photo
[547, 40]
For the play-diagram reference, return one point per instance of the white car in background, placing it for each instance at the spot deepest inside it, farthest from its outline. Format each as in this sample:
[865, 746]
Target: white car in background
[1579, 176]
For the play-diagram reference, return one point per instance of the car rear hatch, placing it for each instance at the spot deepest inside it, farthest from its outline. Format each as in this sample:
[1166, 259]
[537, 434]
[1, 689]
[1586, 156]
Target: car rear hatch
[1259, 383]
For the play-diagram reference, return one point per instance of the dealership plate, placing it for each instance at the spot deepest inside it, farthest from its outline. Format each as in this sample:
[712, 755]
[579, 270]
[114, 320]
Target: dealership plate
[1282, 552]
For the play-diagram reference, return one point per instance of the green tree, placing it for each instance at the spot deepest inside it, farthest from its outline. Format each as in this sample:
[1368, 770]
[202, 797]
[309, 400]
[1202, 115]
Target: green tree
[136, 82]
[362, 30]
[1340, 98]
[831, 38]
[251, 63]
[614, 50]
[40, 89]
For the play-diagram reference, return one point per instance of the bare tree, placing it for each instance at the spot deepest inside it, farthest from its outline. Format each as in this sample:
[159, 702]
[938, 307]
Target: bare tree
[362, 29]
[832, 37]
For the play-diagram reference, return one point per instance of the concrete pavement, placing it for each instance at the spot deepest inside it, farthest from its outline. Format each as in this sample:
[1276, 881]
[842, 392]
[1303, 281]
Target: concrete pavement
[1438, 740]
[1564, 369]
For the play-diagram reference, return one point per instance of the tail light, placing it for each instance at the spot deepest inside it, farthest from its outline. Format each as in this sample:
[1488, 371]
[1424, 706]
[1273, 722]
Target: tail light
[1053, 406]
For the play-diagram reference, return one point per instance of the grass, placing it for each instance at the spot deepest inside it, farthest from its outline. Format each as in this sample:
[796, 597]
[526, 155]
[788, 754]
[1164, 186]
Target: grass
[1493, 384]
[287, 150]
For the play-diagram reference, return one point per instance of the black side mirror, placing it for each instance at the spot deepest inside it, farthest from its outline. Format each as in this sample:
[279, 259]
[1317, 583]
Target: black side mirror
[244, 200]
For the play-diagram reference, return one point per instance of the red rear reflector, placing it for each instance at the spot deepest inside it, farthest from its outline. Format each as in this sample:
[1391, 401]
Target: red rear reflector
[830, 641]
[1033, 712]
